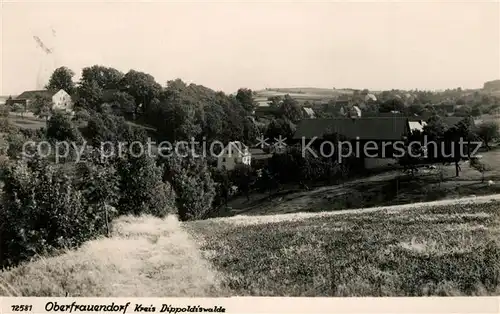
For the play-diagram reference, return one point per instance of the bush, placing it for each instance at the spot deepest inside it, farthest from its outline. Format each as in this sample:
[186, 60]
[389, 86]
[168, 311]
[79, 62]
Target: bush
[6, 126]
[193, 185]
[60, 128]
[15, 142]
[42, 211]
[82, 115]
[142, 189]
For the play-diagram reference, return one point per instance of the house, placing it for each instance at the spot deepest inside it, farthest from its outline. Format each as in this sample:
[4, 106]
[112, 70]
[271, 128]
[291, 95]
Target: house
[417, 125]
[61, 100]
[309, 112]
[234, 153]
[381, 132]
[355, 112]
[370, 98]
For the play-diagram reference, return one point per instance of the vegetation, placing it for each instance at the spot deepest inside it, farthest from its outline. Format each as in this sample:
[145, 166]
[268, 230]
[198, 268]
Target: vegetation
[50, 207]
[445, 250]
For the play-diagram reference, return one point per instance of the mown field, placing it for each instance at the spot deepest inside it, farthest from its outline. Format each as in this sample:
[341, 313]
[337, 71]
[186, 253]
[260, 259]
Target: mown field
[443, 250]
[399, 251]
[145, 257]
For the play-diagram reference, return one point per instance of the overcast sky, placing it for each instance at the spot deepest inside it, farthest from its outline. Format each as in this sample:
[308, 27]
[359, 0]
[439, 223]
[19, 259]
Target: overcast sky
[232, 44]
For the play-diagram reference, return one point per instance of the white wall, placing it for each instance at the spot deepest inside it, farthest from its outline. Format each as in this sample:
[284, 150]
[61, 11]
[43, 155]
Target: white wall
[229, 163]
[62, 101]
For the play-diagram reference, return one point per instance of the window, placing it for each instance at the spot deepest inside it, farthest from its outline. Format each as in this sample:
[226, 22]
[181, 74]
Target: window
[223, 159]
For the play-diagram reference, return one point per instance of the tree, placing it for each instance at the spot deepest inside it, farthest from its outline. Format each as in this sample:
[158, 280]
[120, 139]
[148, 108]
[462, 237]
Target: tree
[142, 87]
[42, 211]
[280, 127]
[60, 128]
[42, 106]
[123, 104]
[98, 181]
[89, 95]
[15, 142]
[222, 186]
[193, 185]
[488, 131]
[291, 109]
[62, 78]
[104, 77]
[242, 176]
[480, 166]
[141, 187]
[245, 97]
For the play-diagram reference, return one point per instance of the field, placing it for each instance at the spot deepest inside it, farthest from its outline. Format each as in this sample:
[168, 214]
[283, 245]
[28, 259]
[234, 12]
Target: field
[145, 257]
[445, 248]
[27, 121]
[440, 250]
[301, 94]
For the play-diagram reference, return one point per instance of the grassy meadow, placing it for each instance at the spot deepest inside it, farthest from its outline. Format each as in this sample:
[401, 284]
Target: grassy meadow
[145, 257]
[444, 250]
[448, 248]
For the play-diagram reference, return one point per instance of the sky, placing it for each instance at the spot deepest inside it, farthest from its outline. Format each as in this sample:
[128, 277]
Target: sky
[226, 45]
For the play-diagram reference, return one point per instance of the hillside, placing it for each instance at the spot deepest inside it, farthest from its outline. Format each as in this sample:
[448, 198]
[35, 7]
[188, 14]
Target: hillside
[145, 257]
[301, 94]
[441, 248]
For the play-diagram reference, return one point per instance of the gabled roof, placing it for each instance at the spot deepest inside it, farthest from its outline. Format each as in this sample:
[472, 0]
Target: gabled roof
[309, 112]
[236, 148]
[358, 111]
[31, 94]
[366, 128]
[370, 97]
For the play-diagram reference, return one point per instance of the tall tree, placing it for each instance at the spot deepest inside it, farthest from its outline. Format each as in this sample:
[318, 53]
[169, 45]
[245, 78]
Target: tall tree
[89, 95]
[290, 109]
[245, 98]
[142, 87]
[488, 131]
[42, 106]
[104, 77]
[62, 78]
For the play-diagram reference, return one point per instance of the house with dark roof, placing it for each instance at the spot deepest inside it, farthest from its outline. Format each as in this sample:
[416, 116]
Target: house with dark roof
[61, 100]
[372, 138]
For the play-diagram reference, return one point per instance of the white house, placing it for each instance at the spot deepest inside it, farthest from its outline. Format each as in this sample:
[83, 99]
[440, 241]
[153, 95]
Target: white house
[234, 153]
[61, 100]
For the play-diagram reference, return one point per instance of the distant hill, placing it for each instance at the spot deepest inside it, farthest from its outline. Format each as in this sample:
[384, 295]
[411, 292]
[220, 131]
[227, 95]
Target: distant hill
[302, 94]
[492, 86]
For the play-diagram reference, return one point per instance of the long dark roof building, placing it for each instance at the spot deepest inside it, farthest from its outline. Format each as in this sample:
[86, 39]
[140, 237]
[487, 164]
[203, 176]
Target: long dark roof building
[31, 94]
[364, 128]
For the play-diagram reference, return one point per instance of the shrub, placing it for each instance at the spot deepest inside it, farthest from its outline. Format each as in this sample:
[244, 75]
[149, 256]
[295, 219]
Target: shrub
[15, 142]
[60, 128]
[4, 111]
[42, 211]
[141, 187]
[82, 115]
[6, 126]
[193, 185]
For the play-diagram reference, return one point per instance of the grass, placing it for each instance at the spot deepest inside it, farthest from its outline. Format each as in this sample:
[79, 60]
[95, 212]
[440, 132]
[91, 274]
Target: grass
[449, 249]
[442, 250]
[145, 257]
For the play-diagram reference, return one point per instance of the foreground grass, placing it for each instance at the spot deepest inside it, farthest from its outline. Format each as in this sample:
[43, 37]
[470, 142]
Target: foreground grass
[443, 250]
[145, 257]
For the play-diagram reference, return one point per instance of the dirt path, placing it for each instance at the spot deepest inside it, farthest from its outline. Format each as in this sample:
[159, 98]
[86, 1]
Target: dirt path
[145, 257]
[249, 220]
